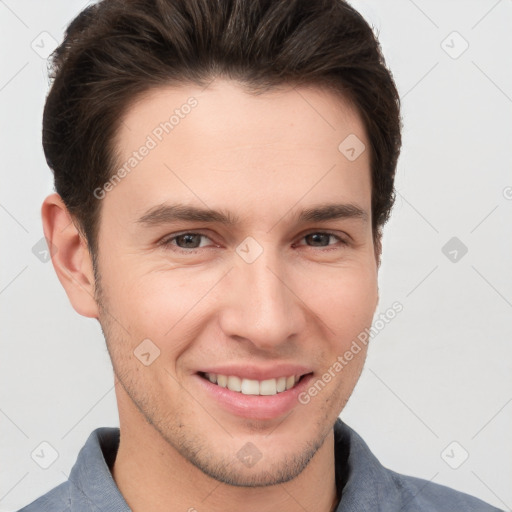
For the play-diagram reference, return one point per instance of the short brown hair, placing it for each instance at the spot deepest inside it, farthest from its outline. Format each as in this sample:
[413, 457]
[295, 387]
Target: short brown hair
[115, 50]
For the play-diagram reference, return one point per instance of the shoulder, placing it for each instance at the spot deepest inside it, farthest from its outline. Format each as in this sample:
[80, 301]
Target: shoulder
[90, 486]
[56, 500]
[368, 485]
[418, 495]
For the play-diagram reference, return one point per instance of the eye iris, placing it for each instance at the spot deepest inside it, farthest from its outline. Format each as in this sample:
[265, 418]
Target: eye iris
[318, 238]
[189, 240]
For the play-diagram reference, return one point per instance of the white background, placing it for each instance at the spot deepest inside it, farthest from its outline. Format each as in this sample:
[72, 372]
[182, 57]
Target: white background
[440, 372]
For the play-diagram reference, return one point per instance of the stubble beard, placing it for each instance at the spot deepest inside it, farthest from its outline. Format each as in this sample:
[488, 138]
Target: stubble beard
[192, 446]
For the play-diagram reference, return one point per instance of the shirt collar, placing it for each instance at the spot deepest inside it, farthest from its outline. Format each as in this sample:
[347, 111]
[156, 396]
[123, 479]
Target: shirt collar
[365, 483]
[91, 478]
[362, 482]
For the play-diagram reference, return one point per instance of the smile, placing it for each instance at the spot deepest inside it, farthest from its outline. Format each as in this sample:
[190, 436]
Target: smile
[266, 387]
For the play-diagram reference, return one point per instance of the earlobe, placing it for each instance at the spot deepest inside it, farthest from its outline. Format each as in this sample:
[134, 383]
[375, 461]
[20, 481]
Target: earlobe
[70, 256]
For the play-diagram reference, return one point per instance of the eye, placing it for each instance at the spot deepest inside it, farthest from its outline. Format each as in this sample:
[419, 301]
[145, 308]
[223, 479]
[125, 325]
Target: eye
[185, 242]
[322, 239]
[189, 242]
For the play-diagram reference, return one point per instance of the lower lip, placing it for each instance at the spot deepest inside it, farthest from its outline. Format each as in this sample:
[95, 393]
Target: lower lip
[256, 407]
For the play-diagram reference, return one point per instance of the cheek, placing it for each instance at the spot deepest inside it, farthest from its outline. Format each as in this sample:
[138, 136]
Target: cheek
[162, 304]
[344, 298]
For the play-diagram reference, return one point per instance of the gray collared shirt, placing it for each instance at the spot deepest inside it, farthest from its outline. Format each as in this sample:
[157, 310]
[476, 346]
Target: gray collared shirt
[363, 483]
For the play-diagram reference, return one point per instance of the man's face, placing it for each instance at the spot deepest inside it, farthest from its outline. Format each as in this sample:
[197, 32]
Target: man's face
[271, 294]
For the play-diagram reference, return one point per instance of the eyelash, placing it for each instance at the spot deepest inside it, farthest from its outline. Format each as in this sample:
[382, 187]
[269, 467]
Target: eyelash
[168, 242]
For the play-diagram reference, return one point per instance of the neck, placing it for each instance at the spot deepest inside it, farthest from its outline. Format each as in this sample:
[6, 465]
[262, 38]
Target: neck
[152, 475]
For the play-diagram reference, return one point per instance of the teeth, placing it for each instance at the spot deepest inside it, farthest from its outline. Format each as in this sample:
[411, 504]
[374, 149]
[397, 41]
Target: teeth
[253, 387]
[234, 384]
[268, 387]
[222, 381]
[250, 387]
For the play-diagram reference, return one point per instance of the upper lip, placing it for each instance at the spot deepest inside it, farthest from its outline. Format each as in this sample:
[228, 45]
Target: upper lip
[258, 372]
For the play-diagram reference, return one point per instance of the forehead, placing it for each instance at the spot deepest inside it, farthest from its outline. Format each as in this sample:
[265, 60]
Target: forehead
[218, 144]
[224, 106]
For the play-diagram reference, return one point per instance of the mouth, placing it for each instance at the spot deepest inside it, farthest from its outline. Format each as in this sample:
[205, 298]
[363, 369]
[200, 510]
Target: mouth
[267, 387]
[268, 395]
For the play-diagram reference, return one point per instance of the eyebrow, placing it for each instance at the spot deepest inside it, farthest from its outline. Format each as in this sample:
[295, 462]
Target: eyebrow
[167, 213]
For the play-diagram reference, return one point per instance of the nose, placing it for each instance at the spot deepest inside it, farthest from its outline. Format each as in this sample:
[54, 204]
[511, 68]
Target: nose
[259, 303]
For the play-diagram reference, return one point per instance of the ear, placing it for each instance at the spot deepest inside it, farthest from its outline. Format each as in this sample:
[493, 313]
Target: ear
[70, 256]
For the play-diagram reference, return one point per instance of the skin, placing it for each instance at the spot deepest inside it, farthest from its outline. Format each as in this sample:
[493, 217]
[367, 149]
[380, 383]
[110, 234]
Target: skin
[263, 158]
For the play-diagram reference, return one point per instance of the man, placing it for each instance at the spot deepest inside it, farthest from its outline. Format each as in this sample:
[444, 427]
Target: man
[223, 172]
